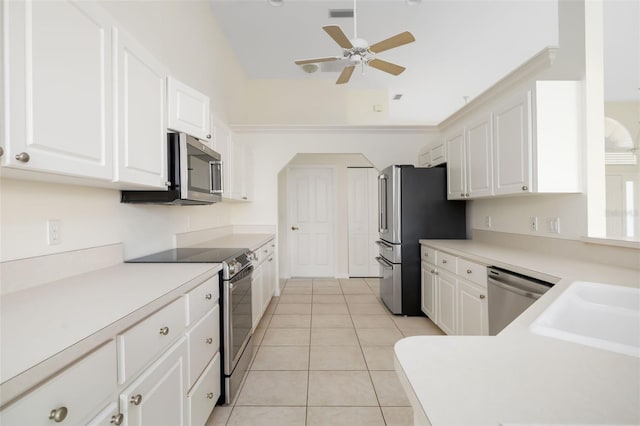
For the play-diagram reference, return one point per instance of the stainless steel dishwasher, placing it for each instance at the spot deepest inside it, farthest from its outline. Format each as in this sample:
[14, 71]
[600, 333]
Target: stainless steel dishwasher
[509, 295]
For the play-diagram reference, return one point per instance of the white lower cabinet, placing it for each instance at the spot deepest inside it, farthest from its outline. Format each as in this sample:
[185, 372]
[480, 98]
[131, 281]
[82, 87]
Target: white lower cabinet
[454, 293]
[152, 373]
[74, 396]
[446, 302]
[264, 280]
[472, 309]
[159, 395]
[206, 391]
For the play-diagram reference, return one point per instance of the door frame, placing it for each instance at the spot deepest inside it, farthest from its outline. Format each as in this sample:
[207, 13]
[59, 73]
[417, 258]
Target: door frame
[333, 214]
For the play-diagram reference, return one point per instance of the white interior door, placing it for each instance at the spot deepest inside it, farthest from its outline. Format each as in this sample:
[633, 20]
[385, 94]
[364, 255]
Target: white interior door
[311, 221]
[362, 221]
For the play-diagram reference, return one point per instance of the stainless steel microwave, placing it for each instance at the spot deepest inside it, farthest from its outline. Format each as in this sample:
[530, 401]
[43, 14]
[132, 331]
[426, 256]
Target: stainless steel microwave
[195, 175]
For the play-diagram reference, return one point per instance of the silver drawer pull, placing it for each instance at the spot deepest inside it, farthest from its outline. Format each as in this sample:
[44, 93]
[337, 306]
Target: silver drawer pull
[59, 414]
[209, 341]
[208, 296]
[136, 400]
[164, 331]
[24, 157]
[210, 395]
[482, 296]
[469, 271]
[444, 261]
[433, 271]
[117, 419]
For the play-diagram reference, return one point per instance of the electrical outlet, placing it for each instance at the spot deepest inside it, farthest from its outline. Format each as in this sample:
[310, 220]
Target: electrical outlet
[553, 225]
[533, 223]
[53, 232]
[487, 221]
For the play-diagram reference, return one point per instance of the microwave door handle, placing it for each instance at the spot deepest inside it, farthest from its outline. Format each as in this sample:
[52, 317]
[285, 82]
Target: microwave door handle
[212, 166]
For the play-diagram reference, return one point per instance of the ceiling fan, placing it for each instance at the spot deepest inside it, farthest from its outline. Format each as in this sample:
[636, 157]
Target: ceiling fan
[359, 52]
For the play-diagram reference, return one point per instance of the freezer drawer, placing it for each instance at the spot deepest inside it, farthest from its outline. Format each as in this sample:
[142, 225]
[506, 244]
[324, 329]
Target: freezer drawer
[391, 284]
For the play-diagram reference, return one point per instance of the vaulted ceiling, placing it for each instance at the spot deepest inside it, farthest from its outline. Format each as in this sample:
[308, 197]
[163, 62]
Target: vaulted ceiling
[461, 48]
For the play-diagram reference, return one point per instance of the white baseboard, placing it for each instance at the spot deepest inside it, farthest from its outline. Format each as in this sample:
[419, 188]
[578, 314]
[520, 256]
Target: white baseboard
[342, 276]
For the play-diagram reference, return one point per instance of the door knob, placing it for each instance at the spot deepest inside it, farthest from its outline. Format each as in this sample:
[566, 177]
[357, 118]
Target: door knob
[294, 228]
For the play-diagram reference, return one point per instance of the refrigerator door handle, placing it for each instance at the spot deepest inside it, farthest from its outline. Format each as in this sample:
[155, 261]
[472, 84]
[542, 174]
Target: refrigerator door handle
[384, 245]
[382, 204]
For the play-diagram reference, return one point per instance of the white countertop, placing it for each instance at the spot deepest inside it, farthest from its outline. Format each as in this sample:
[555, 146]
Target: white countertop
[46, 326]
[518, 376]
[250, 241]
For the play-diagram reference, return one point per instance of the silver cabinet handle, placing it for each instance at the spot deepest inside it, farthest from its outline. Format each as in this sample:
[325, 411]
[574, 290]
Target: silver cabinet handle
[209, 341]
[524, 188]
[208, 136]
[466, 195]
[433, 271]
[136, 400]
[1, 151]
[164, 331]
[24, 157]
[210, 395]
[294, 228]
[59, 414]
[469, 271]
[208, 296]
[271, 259]
[482, 296]
[462, 195]
[444, 260]
[245, 198]
[117, 419]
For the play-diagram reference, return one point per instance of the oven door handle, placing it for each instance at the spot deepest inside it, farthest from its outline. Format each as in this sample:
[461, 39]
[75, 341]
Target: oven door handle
[384, 263]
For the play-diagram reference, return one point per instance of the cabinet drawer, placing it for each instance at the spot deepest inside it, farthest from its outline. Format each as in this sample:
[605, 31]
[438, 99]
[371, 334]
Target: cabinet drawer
[82, 390]
[447, 261]
[428, 254]
[473, 272]
[204, 394]
[202, 298]
[139, 345]
[204, 343]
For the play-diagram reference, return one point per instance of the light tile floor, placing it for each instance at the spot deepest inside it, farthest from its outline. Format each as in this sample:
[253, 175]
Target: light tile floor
[324, 356]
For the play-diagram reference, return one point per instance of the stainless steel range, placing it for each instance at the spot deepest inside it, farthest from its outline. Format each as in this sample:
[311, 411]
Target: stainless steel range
[236, 315]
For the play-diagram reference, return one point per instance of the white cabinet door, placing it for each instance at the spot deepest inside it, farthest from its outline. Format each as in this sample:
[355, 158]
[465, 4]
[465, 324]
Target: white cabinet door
[268, 281]
[58, 70]
[473, 316]
[238, 171]
[512, 146]
[188, 110]
[159, 395]
[438, 153]
[446, 302]
[256, 294]
[141, 139]
[478, 157]
[456, 175]
[429, 294]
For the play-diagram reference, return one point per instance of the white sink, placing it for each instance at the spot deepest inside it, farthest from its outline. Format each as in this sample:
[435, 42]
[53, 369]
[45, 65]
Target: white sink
[600, 315]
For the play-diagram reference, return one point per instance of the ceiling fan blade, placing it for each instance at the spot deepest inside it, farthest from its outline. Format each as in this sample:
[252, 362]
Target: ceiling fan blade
[336, 33]
[345, 75]
[386, 66]
[395, 41]
[315, 60]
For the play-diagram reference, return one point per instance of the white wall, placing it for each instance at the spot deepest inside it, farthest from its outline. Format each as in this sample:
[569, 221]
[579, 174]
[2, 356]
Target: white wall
[185, 37]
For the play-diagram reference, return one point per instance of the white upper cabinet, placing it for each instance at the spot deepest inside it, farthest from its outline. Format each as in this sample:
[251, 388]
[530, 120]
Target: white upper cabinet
[479, 173]
[456, 165]
[469, 173]
[513, 146]
[141, 147]
[432, 154]
[536, 140]
[240, 183]
[58, 70]
[188, 110]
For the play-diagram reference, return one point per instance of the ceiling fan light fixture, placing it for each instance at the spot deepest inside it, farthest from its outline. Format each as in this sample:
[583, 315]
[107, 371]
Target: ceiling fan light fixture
[276, 3]
[309, 68]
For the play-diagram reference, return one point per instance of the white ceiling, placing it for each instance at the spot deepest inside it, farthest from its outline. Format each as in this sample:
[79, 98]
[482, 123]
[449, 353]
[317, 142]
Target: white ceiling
[461, 48]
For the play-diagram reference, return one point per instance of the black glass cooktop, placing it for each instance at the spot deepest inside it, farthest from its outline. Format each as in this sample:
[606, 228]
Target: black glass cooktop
[191, 255]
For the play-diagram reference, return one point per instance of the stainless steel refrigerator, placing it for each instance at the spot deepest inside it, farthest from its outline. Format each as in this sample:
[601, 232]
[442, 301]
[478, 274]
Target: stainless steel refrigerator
[412, 205]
